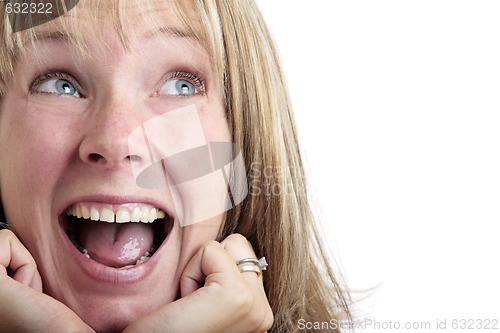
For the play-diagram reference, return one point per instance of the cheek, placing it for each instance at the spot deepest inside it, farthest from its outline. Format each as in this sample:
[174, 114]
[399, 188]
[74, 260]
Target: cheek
[39, 146]
[199, 180]
[214, 123]
[38, 153]
[196, 235]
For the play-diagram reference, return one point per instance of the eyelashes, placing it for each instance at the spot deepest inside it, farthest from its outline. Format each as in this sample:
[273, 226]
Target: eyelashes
[199, 83]
[58, 83]
[181, 83]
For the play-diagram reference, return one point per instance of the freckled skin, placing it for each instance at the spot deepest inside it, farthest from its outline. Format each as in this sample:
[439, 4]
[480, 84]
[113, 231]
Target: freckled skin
[50, 140]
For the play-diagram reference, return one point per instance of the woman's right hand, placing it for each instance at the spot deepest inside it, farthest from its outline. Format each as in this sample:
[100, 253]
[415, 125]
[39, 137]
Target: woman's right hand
[23, 306]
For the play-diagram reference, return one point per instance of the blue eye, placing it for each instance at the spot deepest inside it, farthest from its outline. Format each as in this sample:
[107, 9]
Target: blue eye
[57, 86]
[178, 87]
[183, 84]
[64, 87]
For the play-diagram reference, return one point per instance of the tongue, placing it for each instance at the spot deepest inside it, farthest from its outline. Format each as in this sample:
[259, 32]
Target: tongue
[116, 244]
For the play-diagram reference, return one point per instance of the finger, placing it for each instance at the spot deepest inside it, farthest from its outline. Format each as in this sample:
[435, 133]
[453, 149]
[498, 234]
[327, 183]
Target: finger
[221, 305]
[15, 256]
[24, 309]
[209, 265]
[239, 248]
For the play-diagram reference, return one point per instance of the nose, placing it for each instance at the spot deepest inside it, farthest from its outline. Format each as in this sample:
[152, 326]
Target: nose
[105, 141]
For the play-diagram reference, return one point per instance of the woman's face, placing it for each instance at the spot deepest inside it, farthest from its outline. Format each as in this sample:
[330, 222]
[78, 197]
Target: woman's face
[67, 149]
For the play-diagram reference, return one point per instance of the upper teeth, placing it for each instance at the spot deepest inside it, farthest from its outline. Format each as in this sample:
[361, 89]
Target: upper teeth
[116, 213]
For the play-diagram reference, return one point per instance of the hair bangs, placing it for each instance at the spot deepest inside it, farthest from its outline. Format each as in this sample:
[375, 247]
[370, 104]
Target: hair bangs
[198, 20]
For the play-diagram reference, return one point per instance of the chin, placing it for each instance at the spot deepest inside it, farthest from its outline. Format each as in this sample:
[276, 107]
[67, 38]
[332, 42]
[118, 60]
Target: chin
[114, 315]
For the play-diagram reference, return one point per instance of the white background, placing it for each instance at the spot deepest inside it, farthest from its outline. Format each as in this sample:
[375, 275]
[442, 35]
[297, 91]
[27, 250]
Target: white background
[398, 110]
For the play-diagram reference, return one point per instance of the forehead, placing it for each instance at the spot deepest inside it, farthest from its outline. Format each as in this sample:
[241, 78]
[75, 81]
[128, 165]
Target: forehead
[89, 25]
[92, 20]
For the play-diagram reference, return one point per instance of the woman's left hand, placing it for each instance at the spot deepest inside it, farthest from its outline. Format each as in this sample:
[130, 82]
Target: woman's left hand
[215, 295]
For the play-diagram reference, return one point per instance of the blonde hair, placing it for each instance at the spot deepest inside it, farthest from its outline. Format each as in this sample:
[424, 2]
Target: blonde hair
[300, 282]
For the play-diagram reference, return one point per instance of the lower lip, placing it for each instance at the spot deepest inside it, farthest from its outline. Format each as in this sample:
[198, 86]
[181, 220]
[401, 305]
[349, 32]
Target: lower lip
[113, 276]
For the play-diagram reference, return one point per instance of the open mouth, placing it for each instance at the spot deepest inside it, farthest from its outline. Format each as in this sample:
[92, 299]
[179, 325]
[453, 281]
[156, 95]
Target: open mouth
[119, 236]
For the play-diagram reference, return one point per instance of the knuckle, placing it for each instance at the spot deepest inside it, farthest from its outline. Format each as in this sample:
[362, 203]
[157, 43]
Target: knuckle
[237, 243]
[242, 298]
[261, 318]
[211, 246]
[237, 238]
[255, 309]
[7, 234]
[268, 321]
[32, 262]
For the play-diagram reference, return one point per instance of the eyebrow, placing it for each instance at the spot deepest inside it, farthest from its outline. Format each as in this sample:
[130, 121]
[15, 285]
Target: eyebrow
[170, 32]
[55, 35]
[68, 36]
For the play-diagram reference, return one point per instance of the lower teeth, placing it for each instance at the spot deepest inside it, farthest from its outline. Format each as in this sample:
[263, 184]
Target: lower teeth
[143, 259]
[85, 253]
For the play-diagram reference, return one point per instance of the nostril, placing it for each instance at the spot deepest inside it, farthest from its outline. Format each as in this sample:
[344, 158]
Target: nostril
[133, 158]
[95, 157]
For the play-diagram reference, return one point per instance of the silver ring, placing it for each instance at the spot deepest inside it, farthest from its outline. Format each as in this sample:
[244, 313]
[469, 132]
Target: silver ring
[261, 263]
[250, 268]
[252, 265]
